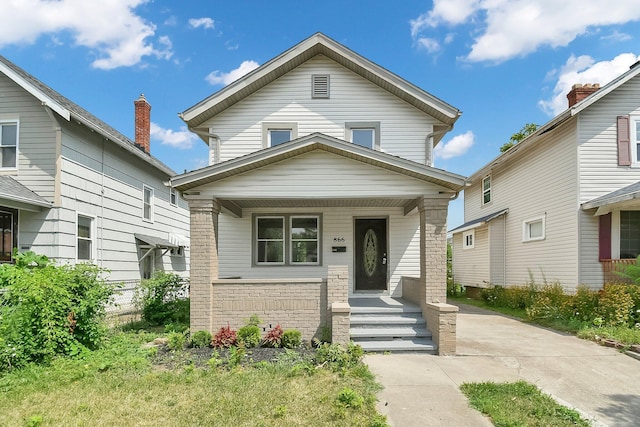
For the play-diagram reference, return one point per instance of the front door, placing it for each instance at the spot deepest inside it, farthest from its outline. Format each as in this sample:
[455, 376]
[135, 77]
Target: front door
[371, 254]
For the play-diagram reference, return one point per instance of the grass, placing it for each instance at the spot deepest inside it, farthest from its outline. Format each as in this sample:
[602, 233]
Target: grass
[519, 404]
[622, 334]
[120, 386]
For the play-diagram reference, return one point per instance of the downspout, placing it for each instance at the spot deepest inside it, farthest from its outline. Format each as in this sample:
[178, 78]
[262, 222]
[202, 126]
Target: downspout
[101, 259]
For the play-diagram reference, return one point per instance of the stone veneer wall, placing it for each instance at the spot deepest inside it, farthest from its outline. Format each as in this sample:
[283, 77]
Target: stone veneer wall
[293, 303]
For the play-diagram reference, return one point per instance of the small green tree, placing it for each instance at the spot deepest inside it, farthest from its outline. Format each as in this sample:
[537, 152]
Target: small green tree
[160, 299]
[526, 130]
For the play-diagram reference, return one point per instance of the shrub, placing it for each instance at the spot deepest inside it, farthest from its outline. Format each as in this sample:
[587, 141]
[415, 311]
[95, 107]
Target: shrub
[551, 303]
[249, 336]
[338, 357]
[176, 340]
[225, 337]
[349, 398]
[584, 304]
[291, 338]
[49, 310]
[494, 296]
[201, 339]
[274, 337]
[615, 305]
[160, 299]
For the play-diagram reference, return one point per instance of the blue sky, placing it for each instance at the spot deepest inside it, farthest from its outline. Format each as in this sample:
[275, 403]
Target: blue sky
[504, 63]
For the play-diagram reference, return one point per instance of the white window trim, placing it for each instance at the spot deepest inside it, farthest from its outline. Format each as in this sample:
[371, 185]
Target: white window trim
[526, 237]
[472, 234]
[151, 207]
[290, 240]
[17, 123]
[350, 126]
[268, 126]
[634, 121]
[173, 194]
[483, 191]
[93, 237]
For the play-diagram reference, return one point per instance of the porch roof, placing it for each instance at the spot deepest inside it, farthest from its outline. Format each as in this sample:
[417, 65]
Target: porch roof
[478, 222]
[623, 196]
[317, 141]
[15, 195]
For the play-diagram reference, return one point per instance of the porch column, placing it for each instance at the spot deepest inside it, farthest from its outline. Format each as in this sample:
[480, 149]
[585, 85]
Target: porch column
[204, 261]
[433, 247]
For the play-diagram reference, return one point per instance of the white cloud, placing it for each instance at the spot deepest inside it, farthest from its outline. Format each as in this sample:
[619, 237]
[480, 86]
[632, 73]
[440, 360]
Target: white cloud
[220, 78]
[182, 139]
[456, 146]
[431, 45]
[111, 28]
[206, 23]
[512, 28]
[583, 69]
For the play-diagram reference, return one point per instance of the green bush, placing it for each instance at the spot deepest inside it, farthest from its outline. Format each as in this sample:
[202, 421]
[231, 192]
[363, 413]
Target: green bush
[585, 304]
[48, 310]
[551, 303]
[201, 339]
[176, 340]
[159, 299]
[615, 305]
[249, 336]
[291, 338]
[338, 357]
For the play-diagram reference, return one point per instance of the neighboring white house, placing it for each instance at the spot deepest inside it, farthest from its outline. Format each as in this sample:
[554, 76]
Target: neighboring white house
[318, 159]
[77, 190]
[562, 205]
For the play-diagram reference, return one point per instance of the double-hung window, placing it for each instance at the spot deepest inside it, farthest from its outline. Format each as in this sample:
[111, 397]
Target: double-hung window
[85, 237]
[287, 240]
[8, 145]
[365, 134]
[486, 190]
[173, 197]
[147, 203]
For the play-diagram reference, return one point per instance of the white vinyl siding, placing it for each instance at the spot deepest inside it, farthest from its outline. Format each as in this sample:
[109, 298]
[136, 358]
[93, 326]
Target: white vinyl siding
[599, 171]
[471, 267]
[235, 244]
[36, 151]
[496, 251]
[403, 130]
[541, 181]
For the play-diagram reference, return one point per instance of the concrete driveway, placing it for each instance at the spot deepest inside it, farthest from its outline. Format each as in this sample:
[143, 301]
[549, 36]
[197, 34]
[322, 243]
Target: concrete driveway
[423, 390]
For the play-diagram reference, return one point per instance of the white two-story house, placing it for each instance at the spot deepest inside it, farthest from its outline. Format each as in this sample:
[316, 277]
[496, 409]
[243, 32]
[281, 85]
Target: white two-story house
[76, 190]
[562, 205]
[321, 189]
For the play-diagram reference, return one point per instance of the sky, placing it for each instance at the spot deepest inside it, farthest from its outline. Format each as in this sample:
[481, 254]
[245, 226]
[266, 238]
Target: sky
[503, 63]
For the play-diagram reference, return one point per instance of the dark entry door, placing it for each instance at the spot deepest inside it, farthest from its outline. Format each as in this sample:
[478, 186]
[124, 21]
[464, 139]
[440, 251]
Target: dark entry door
[371, 254]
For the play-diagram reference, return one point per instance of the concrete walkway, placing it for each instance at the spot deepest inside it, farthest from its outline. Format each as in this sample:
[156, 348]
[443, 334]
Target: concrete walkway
[423, 390]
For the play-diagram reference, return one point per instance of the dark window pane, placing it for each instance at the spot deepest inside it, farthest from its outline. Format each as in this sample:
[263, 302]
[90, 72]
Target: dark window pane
[9, 135]
[304, 252]
[304, 228]
[84, 249]
[270, 228]
[279, 136]
[629, 234]
[8, 155]
[269, 251]
[6, 236]
[362, 137]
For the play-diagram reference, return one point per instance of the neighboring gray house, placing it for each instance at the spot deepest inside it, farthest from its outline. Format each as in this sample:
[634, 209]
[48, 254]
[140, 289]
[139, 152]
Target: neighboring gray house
[561, 205]
[77, 190]
[321, 189]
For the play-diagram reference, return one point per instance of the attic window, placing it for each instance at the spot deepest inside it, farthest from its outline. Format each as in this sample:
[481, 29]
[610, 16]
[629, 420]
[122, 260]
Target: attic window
[320, 86]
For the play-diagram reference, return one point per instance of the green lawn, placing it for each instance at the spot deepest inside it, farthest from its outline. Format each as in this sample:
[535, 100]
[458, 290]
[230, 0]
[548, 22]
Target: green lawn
[519, 404]
[120, 386]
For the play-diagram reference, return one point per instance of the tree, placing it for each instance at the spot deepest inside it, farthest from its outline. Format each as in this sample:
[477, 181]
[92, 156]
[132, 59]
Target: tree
[526, 130]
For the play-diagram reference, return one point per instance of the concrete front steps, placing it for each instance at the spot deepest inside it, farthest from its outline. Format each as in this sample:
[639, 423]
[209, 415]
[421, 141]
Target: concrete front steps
[389, 324]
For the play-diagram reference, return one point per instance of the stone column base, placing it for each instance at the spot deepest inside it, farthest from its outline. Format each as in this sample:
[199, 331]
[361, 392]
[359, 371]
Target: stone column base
[441, 321]
[340, 322]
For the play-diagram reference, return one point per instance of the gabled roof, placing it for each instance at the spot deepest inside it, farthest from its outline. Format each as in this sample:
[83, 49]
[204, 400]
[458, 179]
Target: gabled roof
[567, 114]
[316, 141]
[12, 193]
[625, 194]
[318, 44]
[478, 222]
[71, 111]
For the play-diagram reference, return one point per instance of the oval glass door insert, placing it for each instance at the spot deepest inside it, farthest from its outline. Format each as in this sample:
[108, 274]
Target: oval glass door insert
[370, 258]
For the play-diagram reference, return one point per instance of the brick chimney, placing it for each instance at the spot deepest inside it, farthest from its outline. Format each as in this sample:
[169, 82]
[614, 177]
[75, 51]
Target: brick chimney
[579, 92]
[143, 123]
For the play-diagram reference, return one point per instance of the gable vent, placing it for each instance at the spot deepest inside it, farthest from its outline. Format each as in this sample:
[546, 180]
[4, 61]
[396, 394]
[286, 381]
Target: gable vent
[320, 86]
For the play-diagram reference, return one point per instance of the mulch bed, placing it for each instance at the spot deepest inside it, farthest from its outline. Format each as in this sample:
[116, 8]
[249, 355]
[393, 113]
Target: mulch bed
[198, 357]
